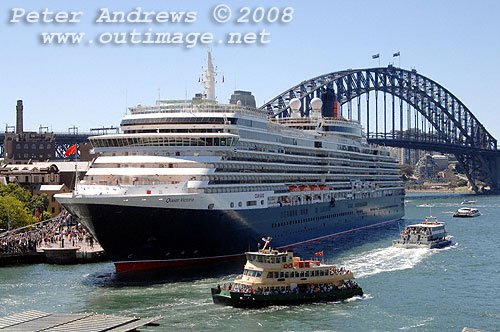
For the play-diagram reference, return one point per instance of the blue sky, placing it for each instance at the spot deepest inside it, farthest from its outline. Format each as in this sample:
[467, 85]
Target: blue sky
[456, 43]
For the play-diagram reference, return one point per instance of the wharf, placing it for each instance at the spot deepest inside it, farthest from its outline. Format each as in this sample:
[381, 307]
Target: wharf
[73, 255]
[33, 320]
[56, 255]
[22, 258]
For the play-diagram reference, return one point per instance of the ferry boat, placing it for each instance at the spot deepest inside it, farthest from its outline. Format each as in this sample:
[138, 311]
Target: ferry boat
[428, 234]
[466, 212]
[271, 277]
[184, 176]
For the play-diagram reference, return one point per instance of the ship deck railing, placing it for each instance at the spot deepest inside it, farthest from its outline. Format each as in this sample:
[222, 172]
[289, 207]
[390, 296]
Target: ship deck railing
[308, 121]
[197, 108]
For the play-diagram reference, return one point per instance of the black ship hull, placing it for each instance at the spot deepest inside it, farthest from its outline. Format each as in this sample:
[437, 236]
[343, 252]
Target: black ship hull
[145, 237]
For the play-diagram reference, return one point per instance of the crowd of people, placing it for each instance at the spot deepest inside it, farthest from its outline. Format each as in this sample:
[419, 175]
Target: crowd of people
[416, 230]
[273, 290]
[339, 271]
[53, 233]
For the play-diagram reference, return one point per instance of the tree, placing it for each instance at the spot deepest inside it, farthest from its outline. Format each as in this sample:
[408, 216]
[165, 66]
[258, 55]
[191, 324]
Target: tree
[18, 204]
[39, 203]
[406, 169]
[19, 193]
[13, 209]
[46, 215]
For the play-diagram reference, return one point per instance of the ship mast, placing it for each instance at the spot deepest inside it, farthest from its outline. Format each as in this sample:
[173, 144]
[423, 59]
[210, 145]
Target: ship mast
[208, 79]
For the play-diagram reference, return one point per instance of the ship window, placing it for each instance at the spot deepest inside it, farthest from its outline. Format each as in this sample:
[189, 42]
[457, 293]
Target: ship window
[258, 274]
[272, 260]
[302, 274]
[276, 275]
[270, 275]
[245, 272]
[283, 259]
[287, 275]
[259, 258]
[278, 260]
[249, 257]
[282, 274]
[321, 273]
[307, 274]
[316, 273]
[232, 204]
[240, 204]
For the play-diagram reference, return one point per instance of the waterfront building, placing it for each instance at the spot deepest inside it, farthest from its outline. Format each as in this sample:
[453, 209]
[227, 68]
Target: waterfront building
[54, 208]
[22, 147]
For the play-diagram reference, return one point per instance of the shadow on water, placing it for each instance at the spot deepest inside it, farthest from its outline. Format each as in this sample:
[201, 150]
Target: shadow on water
[154, 277]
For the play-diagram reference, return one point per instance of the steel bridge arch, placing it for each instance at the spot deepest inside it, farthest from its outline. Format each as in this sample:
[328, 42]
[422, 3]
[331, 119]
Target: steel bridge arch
[455, 128]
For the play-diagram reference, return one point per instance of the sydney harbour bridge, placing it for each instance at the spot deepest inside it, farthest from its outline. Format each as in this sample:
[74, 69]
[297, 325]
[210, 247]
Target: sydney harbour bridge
[397, 108]
[401, 108]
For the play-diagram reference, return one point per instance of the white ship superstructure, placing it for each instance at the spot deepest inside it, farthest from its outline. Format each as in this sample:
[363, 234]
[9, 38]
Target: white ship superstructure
[296, 178]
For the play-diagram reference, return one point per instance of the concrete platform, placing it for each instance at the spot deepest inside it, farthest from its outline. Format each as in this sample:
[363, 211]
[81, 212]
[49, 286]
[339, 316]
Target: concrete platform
[33, 320]
[61, 255]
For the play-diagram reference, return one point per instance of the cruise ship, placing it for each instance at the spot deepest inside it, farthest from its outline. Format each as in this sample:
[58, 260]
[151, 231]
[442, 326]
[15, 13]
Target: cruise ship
[188, 183]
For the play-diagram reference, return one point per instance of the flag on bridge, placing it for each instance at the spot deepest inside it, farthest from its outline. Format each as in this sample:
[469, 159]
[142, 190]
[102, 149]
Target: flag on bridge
[396, 54]
[71, 150]
[376, 56]
[318, 253]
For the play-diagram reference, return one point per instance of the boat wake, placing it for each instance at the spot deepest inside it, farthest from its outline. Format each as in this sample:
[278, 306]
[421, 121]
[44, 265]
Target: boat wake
[385, 260]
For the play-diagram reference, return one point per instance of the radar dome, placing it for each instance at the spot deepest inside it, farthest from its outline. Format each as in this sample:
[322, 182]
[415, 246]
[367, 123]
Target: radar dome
[295, 104]
[316, 104]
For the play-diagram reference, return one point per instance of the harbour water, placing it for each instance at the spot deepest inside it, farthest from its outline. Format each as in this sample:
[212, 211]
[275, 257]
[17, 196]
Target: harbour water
[405, 289]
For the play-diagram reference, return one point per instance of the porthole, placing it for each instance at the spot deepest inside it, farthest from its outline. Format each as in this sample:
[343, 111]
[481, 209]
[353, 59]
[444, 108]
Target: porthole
[232, 204]
[240, 204]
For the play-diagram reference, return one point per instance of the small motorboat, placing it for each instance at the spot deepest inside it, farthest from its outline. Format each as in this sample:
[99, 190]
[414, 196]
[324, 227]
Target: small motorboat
[466, 212]
[425, 205]
[466, 202]
[427, 234]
